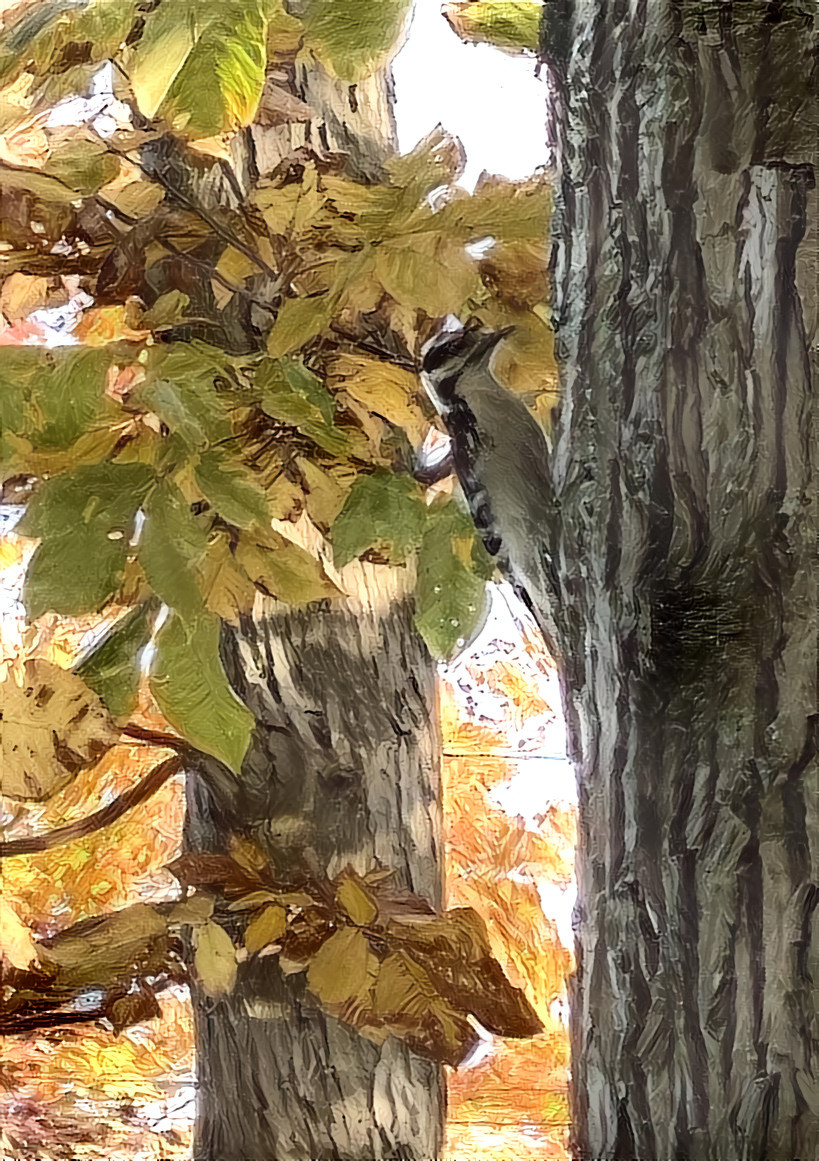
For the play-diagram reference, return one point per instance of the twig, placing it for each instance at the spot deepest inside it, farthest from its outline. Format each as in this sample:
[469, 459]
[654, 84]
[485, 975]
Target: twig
[106, 815]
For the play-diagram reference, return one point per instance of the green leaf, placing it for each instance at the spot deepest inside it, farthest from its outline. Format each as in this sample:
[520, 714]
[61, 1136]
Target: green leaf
[510, 24]
[51, 397]
[292, 394]
[181, 389]
[201, 65]
[219, 85]
[172, 544]
[83, 165]
[111, 668]
[85, 520]
[381, 509]
[354, 37]
[308, 385]
[298, 321]
[451, 598]
[229, 487]
[193, 692]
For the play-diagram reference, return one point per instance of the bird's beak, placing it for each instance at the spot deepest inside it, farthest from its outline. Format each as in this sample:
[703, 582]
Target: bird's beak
[487, 342]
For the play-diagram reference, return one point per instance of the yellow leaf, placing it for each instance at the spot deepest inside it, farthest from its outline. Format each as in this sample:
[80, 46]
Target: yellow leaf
[16, 943]
[215, 960]
[51, 727]
[265, 927]
[343, 968]
[324, 497]
[383, 388]
[356, 901]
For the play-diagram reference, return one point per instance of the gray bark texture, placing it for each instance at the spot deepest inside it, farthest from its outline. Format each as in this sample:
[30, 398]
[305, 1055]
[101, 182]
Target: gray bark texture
[344, 769]
[683, 466]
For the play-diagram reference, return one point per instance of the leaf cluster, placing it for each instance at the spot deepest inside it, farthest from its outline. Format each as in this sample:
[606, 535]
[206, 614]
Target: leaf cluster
[378, 959]
[244, 414]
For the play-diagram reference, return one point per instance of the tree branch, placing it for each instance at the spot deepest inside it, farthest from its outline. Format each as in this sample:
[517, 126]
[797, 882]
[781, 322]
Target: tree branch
[108, 814]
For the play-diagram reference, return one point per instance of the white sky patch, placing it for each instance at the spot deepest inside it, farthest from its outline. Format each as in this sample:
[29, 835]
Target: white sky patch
[491, 100]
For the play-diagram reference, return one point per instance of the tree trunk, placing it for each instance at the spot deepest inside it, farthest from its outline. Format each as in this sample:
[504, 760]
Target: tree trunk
[683, 472]
[344, 769]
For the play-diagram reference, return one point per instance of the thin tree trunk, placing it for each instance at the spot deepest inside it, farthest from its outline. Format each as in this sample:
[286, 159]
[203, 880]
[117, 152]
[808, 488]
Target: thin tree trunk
[344, 769]
[683, 468]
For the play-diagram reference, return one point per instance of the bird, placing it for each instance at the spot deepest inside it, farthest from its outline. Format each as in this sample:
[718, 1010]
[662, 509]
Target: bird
[500, 456]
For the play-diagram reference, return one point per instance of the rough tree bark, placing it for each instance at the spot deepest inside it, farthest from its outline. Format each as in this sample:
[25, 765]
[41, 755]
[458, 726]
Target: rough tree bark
[683, 465]
[345, 769]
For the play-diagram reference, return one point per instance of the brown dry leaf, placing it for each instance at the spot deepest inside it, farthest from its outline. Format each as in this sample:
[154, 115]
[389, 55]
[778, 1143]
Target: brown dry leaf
[406, 999]
[100, 952]
[215, 959]
[265, 927]
[133, 1008]
[343, 969]
[51, 727]
[454, 949]
[214, 873]
[356, 901]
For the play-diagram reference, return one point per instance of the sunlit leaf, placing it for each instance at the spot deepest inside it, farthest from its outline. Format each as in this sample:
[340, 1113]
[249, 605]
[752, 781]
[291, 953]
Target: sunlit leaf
[215, 959]
[51, 727]
[265, 927]
[85, 519]
[381, 509]
[192, 689]
[354, 37]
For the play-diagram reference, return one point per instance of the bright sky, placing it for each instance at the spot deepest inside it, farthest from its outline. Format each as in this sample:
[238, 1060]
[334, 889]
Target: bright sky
[490, 99]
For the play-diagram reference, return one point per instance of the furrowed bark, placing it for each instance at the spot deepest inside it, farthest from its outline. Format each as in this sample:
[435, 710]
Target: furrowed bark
[344, 769]
[684, 474]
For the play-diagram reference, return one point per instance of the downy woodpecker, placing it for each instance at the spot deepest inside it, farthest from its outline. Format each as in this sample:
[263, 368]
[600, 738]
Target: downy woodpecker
[500, 456]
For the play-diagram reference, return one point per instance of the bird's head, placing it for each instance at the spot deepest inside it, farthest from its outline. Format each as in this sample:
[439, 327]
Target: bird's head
[446, 356]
